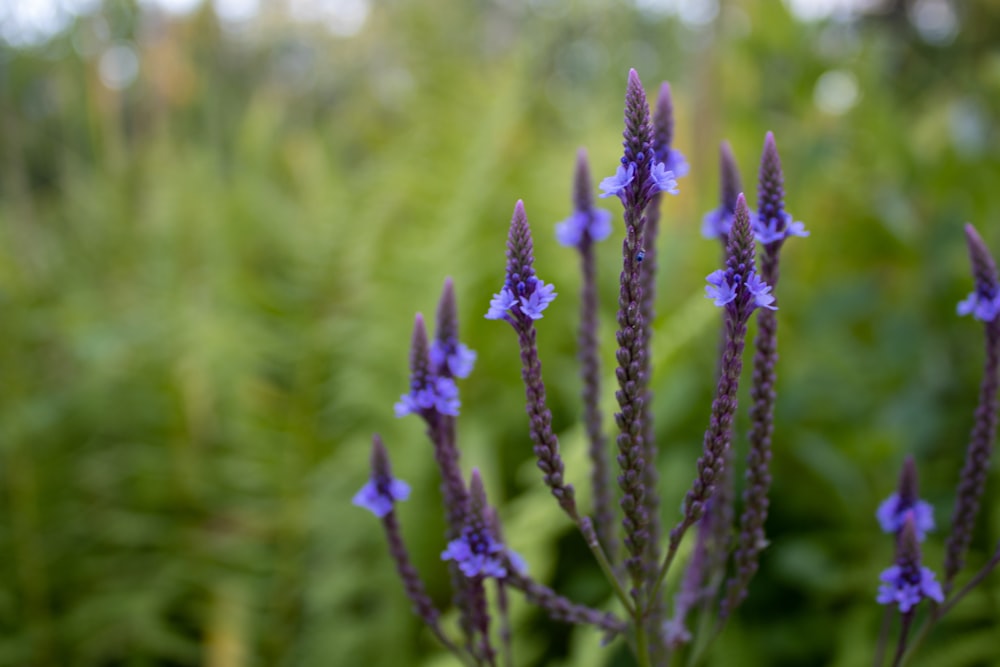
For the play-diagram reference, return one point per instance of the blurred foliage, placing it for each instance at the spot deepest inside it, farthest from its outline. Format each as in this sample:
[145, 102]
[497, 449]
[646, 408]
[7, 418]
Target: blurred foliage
[207, 281]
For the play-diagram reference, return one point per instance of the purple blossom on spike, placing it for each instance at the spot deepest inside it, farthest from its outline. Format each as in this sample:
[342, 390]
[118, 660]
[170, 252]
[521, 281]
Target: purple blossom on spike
[596, 224]
[382, 490]
[980, 448]
[729, 290]
[761, 291]
[476, 551]
[663, 134]
[718, 435]
[718, 288]
[983, 303]
[892, 512]
[906, 583]
[428, 392]
[449, 357]
[532, 297]
[773, 224]
[717, 223]
[615, 185]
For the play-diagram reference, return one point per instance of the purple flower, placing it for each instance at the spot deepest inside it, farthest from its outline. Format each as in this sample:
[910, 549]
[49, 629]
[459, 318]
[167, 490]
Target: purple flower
[716, 224]
[615, 185]
[440, 394]
[379, 495]
[761, 292]
[907, 588]
[719, 289]
[538, 299]
[663, 179]
[674, 161]
[892, 513]
[458, 359]
[981, 306]
[596, 223]
[477, 555]
[500, 304]
[773, 229]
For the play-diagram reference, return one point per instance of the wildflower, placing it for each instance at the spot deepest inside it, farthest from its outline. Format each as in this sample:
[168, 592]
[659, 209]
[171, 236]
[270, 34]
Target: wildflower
[449, 357]
[595, 223]
[907, 583]
[476, 551]
[761, 292]
[615, 185]
[892, 512]
[382, 490]
[663, 178]
[773, 224]
[719, 288]
[437, 393]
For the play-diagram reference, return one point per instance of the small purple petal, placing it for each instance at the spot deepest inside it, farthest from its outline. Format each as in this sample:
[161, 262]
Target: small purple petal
[380, 502]
[663, 179]
[761, 292]
[500, 304]
[891, 515]
[533, 305]
[719, 289]
[615, 185]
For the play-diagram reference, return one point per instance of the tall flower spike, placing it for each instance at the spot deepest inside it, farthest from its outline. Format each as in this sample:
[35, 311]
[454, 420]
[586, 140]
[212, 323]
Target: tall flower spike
[718, 436]
[773, 224]
[717, 223]
[906, 583]
[523, 288]
[673, 161]
[635, 197]
[892, 512]
[980, 448]
[581, 230]
[449, 358]
[752, 539]
[429, 393]
[983, 302]
[378, 496]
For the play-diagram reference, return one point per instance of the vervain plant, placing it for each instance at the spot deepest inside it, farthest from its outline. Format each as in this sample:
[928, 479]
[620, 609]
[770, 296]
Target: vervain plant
[635, 555]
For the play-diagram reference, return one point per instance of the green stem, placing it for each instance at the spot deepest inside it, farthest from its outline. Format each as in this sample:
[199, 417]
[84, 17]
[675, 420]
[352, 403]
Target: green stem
[590, 537]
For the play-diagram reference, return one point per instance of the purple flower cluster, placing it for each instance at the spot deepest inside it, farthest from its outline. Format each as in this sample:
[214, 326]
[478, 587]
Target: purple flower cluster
[533, 296]
[723, 286]
[660, 179]
[893, 511]
[906, 587]
[477, 554]
[595, 223]
[436, 393]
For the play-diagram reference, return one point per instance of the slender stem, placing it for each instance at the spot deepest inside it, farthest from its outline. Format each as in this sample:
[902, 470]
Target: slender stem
[671, 554]
[975, 581]
[883, 637]
[901, 645]
[590, 537]
[641, 643]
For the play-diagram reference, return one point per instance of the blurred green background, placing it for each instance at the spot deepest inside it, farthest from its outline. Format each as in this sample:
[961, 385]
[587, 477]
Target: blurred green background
[218, 219]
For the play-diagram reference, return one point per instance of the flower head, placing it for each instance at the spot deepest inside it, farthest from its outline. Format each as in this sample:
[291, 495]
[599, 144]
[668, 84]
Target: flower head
[893, 511]
[719, 288]
[663, 134]
[663, 179]
[761, 291]
[477, 552]
[717, 223]
[382, 490]
[448, 357]
[587, 224]
[773, 224]
[615, 185]
[523, 294]
[738, 287]
[907, 583]
[428, 392]
[983, 303]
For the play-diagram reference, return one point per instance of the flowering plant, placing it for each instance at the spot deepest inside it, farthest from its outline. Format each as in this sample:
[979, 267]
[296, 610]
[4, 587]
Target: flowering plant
[637, 553]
